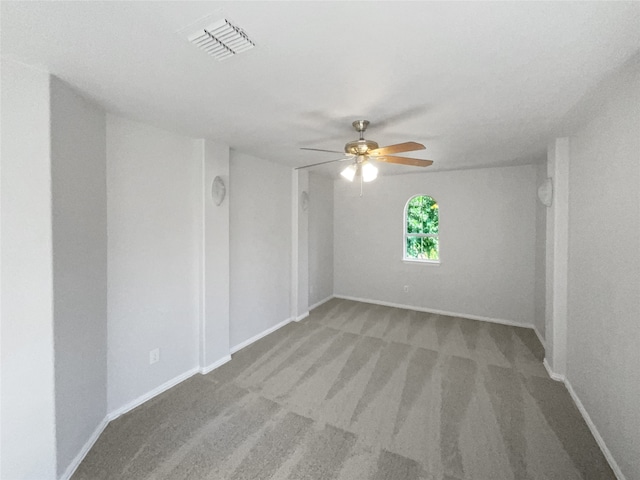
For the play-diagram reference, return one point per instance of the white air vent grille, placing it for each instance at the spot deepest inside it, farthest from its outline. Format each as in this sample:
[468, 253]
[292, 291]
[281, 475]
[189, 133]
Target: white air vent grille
[222, 40]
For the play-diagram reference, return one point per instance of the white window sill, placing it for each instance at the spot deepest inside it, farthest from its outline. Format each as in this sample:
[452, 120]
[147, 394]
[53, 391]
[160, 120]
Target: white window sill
[433, 263]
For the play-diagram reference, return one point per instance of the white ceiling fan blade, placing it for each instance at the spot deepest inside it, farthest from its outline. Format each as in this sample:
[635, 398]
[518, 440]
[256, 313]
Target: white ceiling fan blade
[322, 163]
[320, 150]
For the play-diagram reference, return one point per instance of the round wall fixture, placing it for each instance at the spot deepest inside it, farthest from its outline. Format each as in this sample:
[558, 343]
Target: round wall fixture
[545, 192]
[218, 190]
[304, 201]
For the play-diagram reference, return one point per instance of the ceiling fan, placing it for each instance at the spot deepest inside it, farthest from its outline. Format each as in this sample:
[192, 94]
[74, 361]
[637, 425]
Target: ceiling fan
[362, 151]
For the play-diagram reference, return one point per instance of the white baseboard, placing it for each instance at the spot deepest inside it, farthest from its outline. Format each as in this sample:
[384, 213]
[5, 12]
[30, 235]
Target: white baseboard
[214, 365]
[133, 404]
[592, 426]
[316, 305]
[542, 341]
[149, 395]
[255, 338]
[596, 434]
[84, 450]
[302, 317]
[438, 312]
[554, 376]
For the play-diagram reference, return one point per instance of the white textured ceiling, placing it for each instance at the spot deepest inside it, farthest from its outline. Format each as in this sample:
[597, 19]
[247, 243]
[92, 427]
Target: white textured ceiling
[478, 83]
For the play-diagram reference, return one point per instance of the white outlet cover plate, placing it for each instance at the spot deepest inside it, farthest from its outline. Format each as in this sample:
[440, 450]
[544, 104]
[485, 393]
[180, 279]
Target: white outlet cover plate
[154, 356]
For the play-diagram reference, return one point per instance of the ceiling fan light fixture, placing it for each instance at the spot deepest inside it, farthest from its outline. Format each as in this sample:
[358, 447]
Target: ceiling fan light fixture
[365, 168]
[350, 172]
[369, 172]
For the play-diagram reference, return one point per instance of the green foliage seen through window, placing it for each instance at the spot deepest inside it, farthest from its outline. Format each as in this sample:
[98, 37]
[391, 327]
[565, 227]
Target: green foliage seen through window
[422, 228]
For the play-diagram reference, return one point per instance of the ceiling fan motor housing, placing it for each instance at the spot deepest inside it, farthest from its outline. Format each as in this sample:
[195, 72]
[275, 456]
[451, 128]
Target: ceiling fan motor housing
[360, 147]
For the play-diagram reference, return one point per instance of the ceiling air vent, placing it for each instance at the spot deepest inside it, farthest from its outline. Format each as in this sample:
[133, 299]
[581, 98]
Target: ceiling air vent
[222, 40]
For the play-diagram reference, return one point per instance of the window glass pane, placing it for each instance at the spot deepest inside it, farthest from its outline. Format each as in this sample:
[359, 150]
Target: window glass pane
[422, 248]
[422, 215]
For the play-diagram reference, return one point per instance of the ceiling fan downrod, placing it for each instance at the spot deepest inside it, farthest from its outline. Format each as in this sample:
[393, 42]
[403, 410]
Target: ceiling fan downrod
[360, 146]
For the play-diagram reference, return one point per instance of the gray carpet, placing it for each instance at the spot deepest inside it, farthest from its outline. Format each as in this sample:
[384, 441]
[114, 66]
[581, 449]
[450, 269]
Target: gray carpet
[359, 391]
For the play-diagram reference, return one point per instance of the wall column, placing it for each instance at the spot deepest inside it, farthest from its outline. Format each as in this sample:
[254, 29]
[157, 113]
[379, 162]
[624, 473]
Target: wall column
[28, 434]
[557, 259]
[214, 282]
[300, 245]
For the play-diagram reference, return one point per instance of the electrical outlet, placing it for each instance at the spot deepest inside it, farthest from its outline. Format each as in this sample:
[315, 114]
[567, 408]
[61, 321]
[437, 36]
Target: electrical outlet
[154, 356]
[407, 288]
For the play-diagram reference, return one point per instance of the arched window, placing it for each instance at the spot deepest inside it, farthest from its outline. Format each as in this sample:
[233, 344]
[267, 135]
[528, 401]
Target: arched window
[421, 218]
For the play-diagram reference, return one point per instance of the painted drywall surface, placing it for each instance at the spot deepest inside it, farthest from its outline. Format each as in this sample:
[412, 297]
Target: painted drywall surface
[27, 368]
[300, 238]
[320, 238]
[153, 190]
[558, 160]
[214, 324]
[78, 156]
[295, 244]
[549, 261]
[487, 242]
[540, 262]
[260, 229]
[604, 264]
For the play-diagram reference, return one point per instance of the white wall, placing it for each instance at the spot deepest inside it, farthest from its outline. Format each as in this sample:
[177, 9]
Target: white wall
[549, 261]
[557, 257]
[27, 376]
[320, 238]
[487, 242]
[78, 154]
[540, 265]
[604, 263]
[214, 288]
[299, 244]
[116, 218]
[153, 193]
[260, 228]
